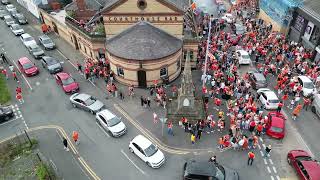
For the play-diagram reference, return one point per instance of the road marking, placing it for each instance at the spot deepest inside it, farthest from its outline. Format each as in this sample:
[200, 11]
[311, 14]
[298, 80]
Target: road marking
[103, 130]
[261, 139]
[37, 83]
[261, 153]
[268, 168]
[272, 178]
[132, 162]
[271, 162]
[274, 169]
[25, 124]
[259, 146]
[264, 146]
[265, 161]
[92, 83]
[278, 178]
[16, 105]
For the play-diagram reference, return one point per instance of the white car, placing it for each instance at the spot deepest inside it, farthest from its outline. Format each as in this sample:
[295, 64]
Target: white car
[16, 29]
[10, 7]
[308, 87]
[27, 40]
[111, 123]
[228, 17]
[243, 57]
[147, 151]
[268, 98]
[8, 20]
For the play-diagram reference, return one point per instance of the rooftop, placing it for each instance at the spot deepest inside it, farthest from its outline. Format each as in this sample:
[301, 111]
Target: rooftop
[59, 16]
[313, 6]
[143, 41]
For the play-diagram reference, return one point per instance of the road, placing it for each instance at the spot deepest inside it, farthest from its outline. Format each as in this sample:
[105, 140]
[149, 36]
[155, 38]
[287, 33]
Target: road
[45, 103]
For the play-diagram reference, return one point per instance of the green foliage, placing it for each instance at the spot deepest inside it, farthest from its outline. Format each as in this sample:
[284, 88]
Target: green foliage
[5, 96]
[71, 14]
[42, 172]
[99, 29]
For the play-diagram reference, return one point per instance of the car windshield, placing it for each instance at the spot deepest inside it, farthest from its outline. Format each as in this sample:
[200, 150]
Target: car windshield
[245, 56]
[151, 150]
[28, 39]
[52, 62]
[46, 41]
[36, 49]
[21, 17]
[273, 101]
[114, 121]
[16, 27]
[308, 85]
[261, 81]
[27, 66]
[304, 158]
[220, 173]
[90, 101]
[68, 81]
[276, 129]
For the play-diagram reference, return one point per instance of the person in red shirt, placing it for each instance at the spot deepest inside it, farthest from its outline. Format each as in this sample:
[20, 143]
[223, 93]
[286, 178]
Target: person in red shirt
[251, 157]
[280, 105]
[18, 90]
[217, 102]
[306, 103]
[14, 75]
[259, 129]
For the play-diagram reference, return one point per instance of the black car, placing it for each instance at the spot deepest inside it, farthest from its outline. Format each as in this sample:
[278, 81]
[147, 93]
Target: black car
[21, 19]
[194, 170]
[5, 2]
[51, 64]
[5, 114]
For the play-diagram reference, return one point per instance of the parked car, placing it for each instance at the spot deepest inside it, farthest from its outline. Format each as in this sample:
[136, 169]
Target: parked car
[27, 67]
[243, 57]
[234, 39]
[315, 107]
[21, 19]
[268, 98]
[8, 20]
[3, 13]
[35, 51]
[13, 13]
[239, 29]
[276, 125]
[195, 170]
[308, 87]
[228, 17]
[111, 123]
[69, 85]
[257, 80]
[86, 102]
[146, 151]
[305, 166]
[10, 7]
[51, 64]
[27, 40]
[46, 42]
[5, 2]
[16, 29]
[5, 114]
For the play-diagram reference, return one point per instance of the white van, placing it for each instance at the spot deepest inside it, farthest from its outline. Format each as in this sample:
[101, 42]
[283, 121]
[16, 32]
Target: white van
[308, 87]
[315, 108]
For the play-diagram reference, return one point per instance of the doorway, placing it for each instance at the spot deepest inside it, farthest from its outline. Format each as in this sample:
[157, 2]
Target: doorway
[142, 79]
[55, 28]
[75, 41]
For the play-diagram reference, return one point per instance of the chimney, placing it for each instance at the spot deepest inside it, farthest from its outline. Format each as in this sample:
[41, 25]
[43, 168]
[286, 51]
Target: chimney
[81, 4]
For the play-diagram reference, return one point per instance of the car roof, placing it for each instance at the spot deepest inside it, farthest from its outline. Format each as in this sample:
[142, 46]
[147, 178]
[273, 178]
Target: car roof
[243, 52]
[142, 141]
[106, 114]
[83, 96]
[7, 16]
[313, 169]
[203, 168]
[270, 95]
[63, 75]
[259, 76]
[25, 35]
[24, 60]
[304, 79]
[277, 122]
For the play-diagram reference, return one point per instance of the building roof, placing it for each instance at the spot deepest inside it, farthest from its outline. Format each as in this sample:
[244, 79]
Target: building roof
[143, 41]
[313, 6]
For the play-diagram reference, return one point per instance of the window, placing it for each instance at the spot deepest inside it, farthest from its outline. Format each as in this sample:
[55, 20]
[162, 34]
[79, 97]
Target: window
[299, 22]
[191, 55]
[184, 55]
[120, 71]
[85, 50]
[102, 119]
[163, 72]
[315, 35]
[90, 53]
[178, 64]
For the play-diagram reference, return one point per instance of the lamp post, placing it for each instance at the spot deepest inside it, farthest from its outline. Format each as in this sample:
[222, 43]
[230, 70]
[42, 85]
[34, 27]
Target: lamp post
[207, 51]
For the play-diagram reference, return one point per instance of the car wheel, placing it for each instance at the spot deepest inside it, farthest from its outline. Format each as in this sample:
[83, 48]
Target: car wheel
[289, 160]
[131, 150]
[148, 164]
[92, 112]
[313, 109]
[74, 105]
[6, 118]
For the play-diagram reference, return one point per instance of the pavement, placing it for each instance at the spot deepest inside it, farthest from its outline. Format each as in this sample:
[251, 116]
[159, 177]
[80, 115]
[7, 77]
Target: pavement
[46, 104]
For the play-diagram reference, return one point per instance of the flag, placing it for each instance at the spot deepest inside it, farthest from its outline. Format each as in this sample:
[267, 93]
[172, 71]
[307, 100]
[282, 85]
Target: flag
[193, 6]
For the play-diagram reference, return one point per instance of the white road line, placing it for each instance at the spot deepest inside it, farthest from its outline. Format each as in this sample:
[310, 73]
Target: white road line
[272, 178]
[268, 168]
[16, 105]
[102, 130]
[22, 75]
[9, 121]
[132, 162]
[278, 178]
[25, 124]
[61, 53]
[261, 153]
[92, 83]
[261, 139]
[271, 162]
[274, 169]
[265, 161]
[264, 146]
[67, 58]
[259, 146]
[19, 112]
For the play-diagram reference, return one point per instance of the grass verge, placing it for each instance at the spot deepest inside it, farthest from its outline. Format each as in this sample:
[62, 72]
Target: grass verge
[5, 96]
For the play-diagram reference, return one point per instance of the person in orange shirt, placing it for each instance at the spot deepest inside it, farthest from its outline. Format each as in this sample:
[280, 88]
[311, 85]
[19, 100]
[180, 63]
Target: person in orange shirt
[296, 111]
[75, 137]
[251, 157]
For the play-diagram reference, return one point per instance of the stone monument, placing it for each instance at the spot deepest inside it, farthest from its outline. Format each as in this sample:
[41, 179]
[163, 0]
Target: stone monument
[186, 104]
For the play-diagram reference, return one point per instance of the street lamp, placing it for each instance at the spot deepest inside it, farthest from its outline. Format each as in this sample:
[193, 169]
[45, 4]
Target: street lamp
[207, 51]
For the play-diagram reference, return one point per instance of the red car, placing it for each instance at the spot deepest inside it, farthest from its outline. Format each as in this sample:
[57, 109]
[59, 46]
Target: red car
[234, 39]
[276, 125]
[68, 84]
[27, 67]
[307, 168]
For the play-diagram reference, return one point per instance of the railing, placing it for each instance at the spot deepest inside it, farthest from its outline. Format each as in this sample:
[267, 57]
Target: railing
[75, 25]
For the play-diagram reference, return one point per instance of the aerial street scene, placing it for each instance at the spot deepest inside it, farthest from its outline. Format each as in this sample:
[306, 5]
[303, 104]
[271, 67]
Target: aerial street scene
[159, 89]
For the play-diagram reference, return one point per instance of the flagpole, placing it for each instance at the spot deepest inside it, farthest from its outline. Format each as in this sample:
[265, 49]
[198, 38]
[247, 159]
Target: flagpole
[207, 51]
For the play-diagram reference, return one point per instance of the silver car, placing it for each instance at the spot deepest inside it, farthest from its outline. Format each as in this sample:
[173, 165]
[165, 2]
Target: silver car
[51, 64]
[111, 123]
[21, 19]
[9, 20]
[16, 29]
[86, 102]
[36, 51]
[46, 42]
[3, 13]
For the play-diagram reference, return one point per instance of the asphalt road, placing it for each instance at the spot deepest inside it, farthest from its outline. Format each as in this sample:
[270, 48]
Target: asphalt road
[45, 103]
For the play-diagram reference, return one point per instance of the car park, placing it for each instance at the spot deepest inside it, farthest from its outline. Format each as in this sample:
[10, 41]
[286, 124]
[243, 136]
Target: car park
[3, 13]
[268, 98]
[146, 151]
[5, 114]
[86, 102]
[306, 167]
[228, 17]
[51, 64]
[5, 2]
[21, 18]
[257, 80]
[68, 84]
[16, 29]
[243, 57]
[195, 170]
[27, 67]
[276, 125]
[9, 20]
[315, 107]
[10, 7]
[111, 123]
[35, 51]
[308, 87]
[46, 42]
[27, 40]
